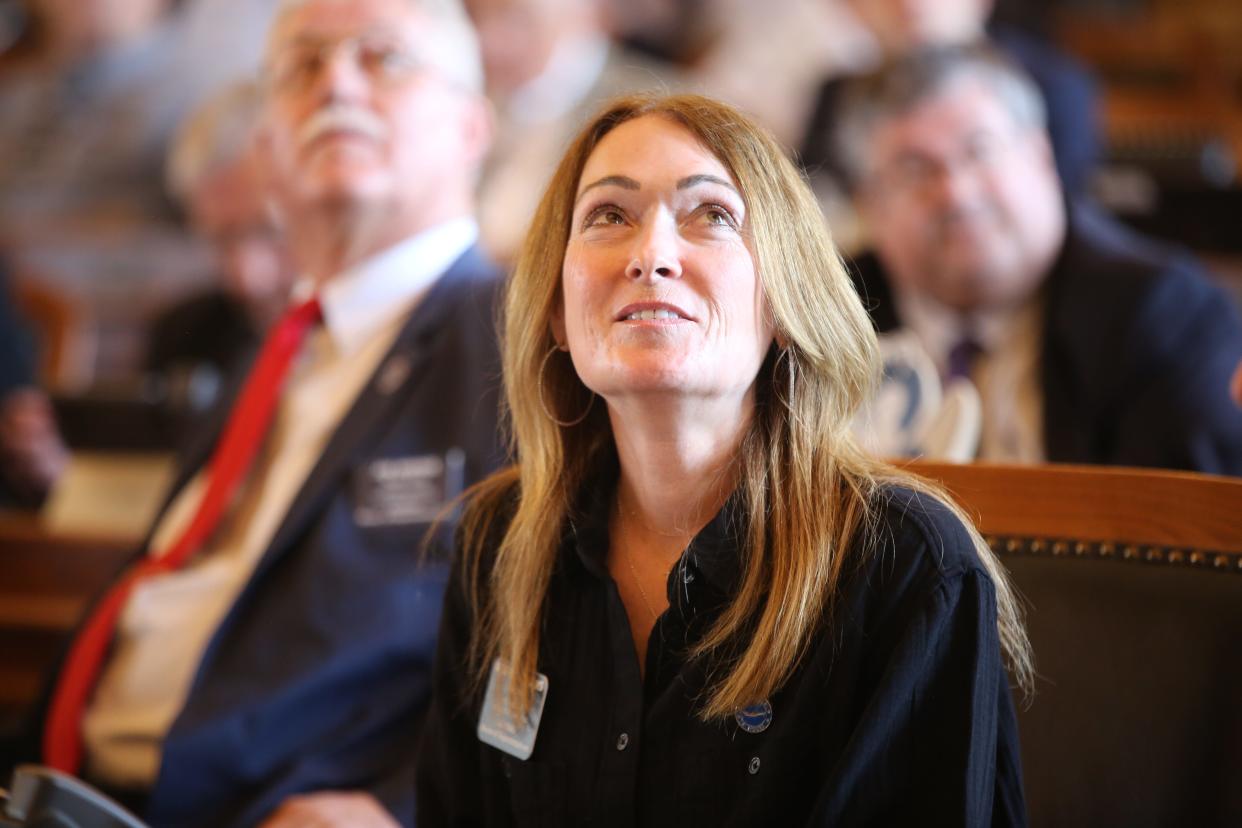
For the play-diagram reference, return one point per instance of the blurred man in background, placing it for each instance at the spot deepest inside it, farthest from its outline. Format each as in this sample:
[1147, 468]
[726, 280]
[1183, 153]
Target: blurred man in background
[888, 30]
[548, 64]
[267, 660]
[900, 27]
[91, 92]
[1088, 343]
[771, 58]
[213, 171]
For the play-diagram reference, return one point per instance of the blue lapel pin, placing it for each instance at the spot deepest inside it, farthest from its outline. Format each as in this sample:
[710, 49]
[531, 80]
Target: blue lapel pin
[394, 372]
[756, 718]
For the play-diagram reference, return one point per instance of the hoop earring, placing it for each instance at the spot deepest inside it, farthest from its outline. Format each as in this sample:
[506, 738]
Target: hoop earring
[543, 403]
[787, 356]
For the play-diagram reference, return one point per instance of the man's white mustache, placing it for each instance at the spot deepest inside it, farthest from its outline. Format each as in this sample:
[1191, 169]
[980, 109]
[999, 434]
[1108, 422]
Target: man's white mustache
[342, 119]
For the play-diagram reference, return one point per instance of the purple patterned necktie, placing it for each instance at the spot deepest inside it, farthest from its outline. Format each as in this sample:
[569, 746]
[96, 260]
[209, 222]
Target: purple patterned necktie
[962, 358]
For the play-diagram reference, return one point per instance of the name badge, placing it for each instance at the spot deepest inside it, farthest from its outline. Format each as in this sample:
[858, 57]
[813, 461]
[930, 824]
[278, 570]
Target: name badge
[403, 490]
[496, 726]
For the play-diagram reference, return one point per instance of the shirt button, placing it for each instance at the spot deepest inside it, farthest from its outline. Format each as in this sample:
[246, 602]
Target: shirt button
[754, 765]
[623, 741]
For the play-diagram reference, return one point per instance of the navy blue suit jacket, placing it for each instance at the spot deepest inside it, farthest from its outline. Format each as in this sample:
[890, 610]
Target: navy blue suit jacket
[320, 675]
[1139, 347]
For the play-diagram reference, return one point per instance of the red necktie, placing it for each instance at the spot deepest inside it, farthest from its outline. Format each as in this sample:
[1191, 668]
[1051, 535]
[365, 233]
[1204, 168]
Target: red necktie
[239, 443]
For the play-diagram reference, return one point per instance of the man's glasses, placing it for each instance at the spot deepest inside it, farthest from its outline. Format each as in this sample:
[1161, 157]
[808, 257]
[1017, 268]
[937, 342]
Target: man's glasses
[383, 60]
[915, 175]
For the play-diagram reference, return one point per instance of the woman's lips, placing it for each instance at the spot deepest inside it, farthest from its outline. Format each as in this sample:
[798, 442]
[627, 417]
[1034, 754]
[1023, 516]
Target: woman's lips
[660, 312]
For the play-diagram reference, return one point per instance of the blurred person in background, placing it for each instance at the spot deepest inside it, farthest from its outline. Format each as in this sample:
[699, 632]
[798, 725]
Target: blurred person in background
[770, 58]
[885, 30]
[85, 117]
[266, 660]
[1088, 343]
[548, 64]
[900, 27]
[213, 171]
[90, 94]
[670, 30]
[32, 454]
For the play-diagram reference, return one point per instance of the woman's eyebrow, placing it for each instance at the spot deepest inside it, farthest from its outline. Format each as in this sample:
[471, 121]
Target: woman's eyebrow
[623, 181]
[703, 178]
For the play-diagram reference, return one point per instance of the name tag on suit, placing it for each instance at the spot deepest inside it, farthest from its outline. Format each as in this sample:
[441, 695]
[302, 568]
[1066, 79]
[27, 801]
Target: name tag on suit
[395, 491]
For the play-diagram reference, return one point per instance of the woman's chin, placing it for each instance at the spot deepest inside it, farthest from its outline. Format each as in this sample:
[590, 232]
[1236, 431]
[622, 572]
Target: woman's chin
[643, 375]
[664, 390]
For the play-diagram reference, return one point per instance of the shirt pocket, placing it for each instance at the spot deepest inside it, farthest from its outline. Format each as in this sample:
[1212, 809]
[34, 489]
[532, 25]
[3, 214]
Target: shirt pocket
[538, 794]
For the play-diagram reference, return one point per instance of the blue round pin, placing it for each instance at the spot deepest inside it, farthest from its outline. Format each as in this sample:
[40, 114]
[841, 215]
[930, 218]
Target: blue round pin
[756, 718]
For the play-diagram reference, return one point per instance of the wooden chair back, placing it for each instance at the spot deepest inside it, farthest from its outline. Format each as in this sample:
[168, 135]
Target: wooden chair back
[1133, 586]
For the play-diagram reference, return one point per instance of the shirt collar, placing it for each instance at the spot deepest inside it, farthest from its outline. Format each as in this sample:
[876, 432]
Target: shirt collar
[940, 327]
[363, 299]
[715, 552]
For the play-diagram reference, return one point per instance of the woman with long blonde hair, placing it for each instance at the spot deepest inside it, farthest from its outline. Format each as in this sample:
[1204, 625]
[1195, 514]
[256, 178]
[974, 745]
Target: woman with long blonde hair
[694, 600]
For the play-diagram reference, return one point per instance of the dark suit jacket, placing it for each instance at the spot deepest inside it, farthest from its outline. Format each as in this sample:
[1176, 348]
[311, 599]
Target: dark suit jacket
[319, 676]
[1137, 355]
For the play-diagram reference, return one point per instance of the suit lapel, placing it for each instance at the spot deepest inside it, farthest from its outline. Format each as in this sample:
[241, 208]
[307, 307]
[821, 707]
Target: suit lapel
[1071, 311]
[381, 398]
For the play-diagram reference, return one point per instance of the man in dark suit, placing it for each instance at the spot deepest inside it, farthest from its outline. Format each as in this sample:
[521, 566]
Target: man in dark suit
[1088, 343]
[279, 676]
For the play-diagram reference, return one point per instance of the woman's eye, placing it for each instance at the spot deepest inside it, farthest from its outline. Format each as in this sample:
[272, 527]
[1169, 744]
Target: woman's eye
[604, 216]
[718, 215]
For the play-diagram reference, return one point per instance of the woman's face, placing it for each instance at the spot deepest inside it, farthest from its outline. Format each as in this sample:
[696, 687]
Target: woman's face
[659, 290]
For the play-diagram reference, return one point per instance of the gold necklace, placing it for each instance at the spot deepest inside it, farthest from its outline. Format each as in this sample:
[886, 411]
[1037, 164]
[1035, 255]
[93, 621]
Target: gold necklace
[629, 559]
[639, 583]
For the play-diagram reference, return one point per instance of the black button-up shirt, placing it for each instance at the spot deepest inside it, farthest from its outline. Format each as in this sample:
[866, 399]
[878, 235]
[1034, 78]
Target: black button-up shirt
[899, 714]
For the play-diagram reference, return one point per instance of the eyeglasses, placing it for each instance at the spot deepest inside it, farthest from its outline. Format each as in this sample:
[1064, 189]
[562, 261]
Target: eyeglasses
[915, 174]
[383, 60]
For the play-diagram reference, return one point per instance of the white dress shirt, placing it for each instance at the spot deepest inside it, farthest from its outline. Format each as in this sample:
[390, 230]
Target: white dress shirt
[1006, 372]
[170, 619]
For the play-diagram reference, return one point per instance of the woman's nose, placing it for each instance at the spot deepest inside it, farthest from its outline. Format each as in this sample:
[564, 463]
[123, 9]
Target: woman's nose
[656, 253]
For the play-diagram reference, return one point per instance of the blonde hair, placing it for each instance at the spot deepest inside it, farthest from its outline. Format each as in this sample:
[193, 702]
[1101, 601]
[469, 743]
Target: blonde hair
[806, 487]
